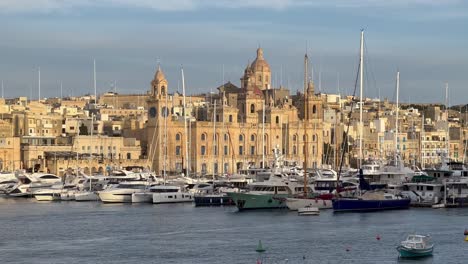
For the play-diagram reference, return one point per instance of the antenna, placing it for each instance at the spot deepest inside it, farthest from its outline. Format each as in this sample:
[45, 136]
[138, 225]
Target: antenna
[2, 89]
[61, 90]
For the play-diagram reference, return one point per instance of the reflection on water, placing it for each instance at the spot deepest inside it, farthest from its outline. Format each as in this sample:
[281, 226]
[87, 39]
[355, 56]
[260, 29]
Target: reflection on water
[71, 232]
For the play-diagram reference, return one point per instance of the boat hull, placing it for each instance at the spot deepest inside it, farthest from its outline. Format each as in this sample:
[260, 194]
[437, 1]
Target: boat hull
[213, 200]
[47, 197]
[109, 197]
[179, 197]
[358, 205]
[295, 204]
[246, 201]
[414, 253]
[142, 197]
[86, 196]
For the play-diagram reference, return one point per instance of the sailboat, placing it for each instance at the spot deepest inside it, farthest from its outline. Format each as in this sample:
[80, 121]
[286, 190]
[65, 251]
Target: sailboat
[375, 200]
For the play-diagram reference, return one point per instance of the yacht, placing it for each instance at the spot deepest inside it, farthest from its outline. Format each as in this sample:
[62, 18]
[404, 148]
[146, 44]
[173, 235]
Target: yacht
[122, 193]
[28, 184]
[423, 193]
[170, 194]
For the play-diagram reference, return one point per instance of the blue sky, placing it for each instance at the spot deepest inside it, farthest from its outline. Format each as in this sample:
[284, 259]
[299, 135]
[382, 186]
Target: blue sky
[426, 40]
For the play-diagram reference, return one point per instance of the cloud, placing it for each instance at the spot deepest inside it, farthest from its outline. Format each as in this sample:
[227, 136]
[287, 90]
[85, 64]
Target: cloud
[47, 6]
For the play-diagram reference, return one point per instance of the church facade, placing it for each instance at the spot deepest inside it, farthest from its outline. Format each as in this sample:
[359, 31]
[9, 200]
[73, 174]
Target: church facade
[235, 128]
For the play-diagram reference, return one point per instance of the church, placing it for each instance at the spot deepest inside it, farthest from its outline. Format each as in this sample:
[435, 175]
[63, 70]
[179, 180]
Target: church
[235, 128]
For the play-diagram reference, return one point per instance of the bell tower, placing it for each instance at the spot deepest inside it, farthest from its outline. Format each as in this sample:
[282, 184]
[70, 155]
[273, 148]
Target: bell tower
[159, 84]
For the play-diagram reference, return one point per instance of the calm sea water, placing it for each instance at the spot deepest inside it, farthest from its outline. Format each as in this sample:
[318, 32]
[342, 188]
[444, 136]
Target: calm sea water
[72, 232]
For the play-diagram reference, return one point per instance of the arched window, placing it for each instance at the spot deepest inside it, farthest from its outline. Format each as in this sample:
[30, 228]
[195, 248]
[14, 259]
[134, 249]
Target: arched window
[277, 120]
[241, 138]
[252, 108]
[163, 90]
[177, 137]
[294, 137]
[313, 138]
[129, 156]
[252, 137]
[203, 136]
[230, 118]
[226, 137]
[314, 109]
[294, 150]
[304, 137]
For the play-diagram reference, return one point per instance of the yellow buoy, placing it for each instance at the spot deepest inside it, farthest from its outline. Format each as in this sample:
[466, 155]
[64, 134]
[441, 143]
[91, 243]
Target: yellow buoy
[466, 238]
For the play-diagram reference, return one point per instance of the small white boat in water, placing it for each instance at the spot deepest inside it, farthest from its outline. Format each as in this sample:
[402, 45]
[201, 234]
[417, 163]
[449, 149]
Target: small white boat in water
[122, 193]
[308, 211]
[170, 194]
[49, 194]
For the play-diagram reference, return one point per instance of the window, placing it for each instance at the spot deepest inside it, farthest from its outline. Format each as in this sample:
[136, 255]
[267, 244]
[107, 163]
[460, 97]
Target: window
[314, 109]
[177, 150]
[129, 156]
[252, 108]
[294, 150]
[203, 136]
[252, 150]
[277, 120]
[252, 137]
[260, 77]
[294, 137]
[241, 150]
[225, 150]
[203, 150]
[177, 137]
[241, 138]
[163, 90]
[230, 118]
[226, 136]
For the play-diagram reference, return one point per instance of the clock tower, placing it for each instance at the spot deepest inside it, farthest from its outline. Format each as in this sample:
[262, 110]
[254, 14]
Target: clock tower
[157, 111]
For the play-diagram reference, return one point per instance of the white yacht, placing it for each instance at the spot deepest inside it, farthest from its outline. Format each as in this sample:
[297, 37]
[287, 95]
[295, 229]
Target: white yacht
[423, 193]
[28, 184]
[48, 194]
[170, 194]
[122, 193]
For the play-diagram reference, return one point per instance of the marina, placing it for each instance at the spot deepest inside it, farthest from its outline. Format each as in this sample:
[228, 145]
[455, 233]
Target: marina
[94, 232]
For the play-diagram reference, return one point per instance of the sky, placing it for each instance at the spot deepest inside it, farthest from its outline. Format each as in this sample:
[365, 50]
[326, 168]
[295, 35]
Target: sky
[213, 40]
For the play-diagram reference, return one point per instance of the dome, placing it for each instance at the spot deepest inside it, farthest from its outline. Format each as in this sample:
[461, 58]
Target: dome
[159, 75]
[260, 64]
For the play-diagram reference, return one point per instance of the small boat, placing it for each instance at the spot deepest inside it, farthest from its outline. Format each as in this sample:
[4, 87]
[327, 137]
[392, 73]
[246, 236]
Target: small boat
[466, 232]
[416, 246]
[308, 211]
[438, 206]
[260, 248]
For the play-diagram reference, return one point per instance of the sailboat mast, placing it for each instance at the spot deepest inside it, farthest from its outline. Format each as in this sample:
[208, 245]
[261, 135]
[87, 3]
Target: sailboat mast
[422, 142]
[39, 82]
[166, 114]
[396, 117]
[185, 125]
[361, 87]
[94, 81]
[214, 137]
[263, 135]
[447, 135]
[306, 79]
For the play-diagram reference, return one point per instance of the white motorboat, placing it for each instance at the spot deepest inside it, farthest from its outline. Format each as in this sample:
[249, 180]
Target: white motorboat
[170, 194]
[48, 194]
[122, 193]
[28, 184]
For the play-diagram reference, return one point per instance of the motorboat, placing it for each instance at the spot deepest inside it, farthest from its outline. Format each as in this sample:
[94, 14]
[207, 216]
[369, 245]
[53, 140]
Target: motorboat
[122, 193]
[170, 194]
[28, 184]
[416, 246]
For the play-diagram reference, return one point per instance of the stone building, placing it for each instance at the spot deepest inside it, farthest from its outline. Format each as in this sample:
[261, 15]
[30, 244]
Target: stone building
[235, 128]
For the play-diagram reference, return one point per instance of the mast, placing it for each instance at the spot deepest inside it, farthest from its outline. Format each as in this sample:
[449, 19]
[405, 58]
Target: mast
[396, 117]
[447, 134]
[39, 82]
[422, 142]
[185, 125]
[2, 89]
[94, 81]
[306, 77]
[263, 135]
[361, 87]
[214, 137]
[166, 114]
[223, 127]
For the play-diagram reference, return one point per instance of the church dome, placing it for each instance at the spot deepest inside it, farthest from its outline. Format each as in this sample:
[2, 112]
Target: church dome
[260, 64]
[159, 75]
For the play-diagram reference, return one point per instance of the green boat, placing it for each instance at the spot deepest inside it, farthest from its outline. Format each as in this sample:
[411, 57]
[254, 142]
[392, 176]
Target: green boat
[269, 194]
[416, 246]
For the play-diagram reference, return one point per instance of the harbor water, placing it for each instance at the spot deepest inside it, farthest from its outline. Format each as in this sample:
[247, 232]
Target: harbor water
[74, 232]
